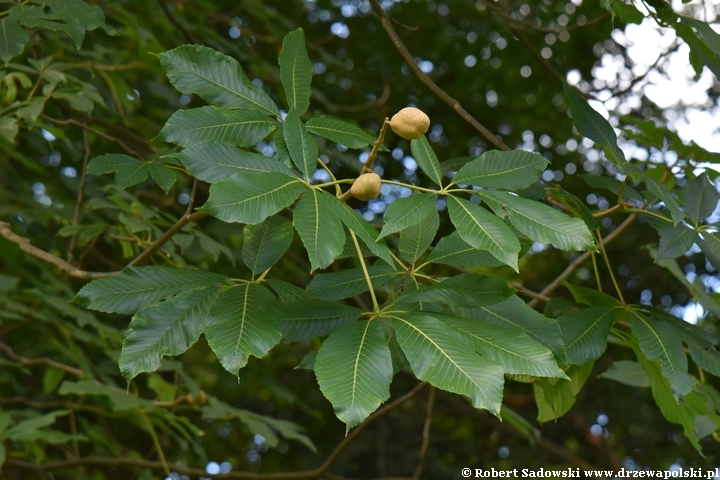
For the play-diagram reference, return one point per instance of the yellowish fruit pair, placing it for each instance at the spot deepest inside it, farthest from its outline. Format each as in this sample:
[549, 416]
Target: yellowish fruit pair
[366, 186]
[410, 123]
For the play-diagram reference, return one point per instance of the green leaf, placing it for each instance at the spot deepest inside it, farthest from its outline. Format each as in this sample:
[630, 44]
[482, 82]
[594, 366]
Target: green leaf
[296, 71]
[364, 231]
[243, 322]
[709, 36]
[128, 170]
[216, 78]
[453, 250]
[252, 197]
[121, 400]
[283, 155]
[659, 342]
[612, 184]
[414, 240]
[674, 241]
[426, 159]
[243, 128]
[663, 194]
[13, 39]
[354, 370]
[515, 351]
[511, 170]
[287, 291]
[540, 222]
[337, 286]
[515, 314]
[163, 176]
[301, 145]
[699, 198]
[169, 328]
[339, 132]
[319, 228]
[304, 320]
[483, 230]
[9, 128]
[590, 296]
[442, 357]
[627, 13]
[628, 373]
[32, 110]
[555, 398]
[407, 211]
[465, 289]
[710, 246]
[212, 162]
[265, 243]
[138, 287]
[585, 333]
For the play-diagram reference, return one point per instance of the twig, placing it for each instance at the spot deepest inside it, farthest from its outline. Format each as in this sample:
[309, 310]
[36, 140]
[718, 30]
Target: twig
[46, 257]
[10, 353]
[526, 291]
[520, 34]
[109, 138]
[371, 156]
[387, 25]
[150, 251]
[80, 195]
[426, 434]
[156, 442]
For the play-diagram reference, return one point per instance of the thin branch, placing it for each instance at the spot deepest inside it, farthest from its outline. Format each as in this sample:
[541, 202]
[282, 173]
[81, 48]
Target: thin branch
[80, 195]
[156, 442]
[150, 251]
[46, 257]
[109, 138]
[10, 353]
[387, 25]
[426, 434]
[191, 201]
[371, 156]
[526, 291]
[520, 34]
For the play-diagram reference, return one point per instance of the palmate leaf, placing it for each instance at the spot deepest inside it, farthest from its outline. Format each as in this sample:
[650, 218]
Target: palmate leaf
[243, 322]
[465, 290]
[339, 132]
[414, 240]
[664, 195]
[337, 286]
[307, 319]
[128, 171]
[354, 370]
[319, 228]
[296, 71]
[169, 328]
[555, 398]
[628, 373]
[300, 144]
[511, 170]
[674, 241]
[216, 78]
[407, 211]
[515, 314]
[138, 287]
[483, 230]
[287, 291]
[659, 341]
[212, 162]
[360, 227]
[442, 357]
[252, 197]
[243, 128]
[13, 39]
[426, 159]
[699, 198]
[513, 350]
[585, 332]
[265, 243]
[453, 250]
[540, 222]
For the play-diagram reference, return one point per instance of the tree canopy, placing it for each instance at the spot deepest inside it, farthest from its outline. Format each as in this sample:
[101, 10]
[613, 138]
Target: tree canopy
[222, 257]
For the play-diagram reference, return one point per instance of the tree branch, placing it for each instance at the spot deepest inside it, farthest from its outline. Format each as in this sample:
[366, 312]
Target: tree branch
[387, 25]
[109, 138]
[80, 195]
[426, 434]
[182, 221]
[10, 353]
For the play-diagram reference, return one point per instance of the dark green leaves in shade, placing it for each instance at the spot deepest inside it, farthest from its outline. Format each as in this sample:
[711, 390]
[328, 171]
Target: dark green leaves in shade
[511, 170]
[319, 228]
[360, 227]
[674, 241]
[415, 239]
[128, 171]
[339, 132]
[555, 397]
[590, 296]
[337, 286]
[453, 250]
[296, 71]
[628, 373]
[426, 159]
[243, 322]
[407, 211]
[661, 192]
[13, 39]
[540, 222]
[138, 287]
[216, 78]
[300, 144]
[252, 197]
[611, 184]
[244, 128]
[440, 355]
[169, 328]
[585, 332]
[212, 162]
[354, 370]
[699, 198]
[265, 243]
[483, 230]
[465, 289]
[307, 319]
[660, 342]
